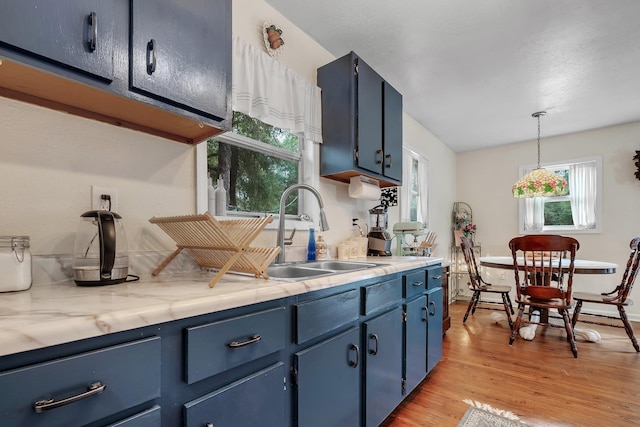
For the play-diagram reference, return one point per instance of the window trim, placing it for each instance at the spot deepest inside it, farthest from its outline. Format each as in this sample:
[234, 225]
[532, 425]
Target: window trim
[557, 229]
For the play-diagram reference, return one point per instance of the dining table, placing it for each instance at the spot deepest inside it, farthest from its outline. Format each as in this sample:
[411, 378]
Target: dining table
[581, 266]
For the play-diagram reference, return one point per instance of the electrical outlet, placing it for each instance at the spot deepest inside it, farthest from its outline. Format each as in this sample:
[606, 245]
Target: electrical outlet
[98, 202]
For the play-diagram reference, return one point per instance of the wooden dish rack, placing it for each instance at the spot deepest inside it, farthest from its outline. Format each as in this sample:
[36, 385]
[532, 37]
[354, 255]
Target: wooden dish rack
[223, 245]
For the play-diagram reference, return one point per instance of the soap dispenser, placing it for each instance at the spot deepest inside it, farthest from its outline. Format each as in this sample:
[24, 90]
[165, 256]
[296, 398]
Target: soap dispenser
[321, 248]
[311, 247]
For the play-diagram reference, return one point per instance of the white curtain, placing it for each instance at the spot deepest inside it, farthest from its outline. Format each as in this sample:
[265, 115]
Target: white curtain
[268, 91]
[582, 193]
[405, 208]
[423, 188]
[534, 213]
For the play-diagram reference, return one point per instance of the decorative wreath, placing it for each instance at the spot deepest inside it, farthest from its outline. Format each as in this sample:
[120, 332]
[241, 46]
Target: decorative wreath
[273, 41]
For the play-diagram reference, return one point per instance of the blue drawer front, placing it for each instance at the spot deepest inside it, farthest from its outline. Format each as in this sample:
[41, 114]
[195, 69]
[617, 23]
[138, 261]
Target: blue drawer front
[219, 346]
[130, 373]
[414, 284]
[317, 317]
[381, 295]
[254, 401]
[148, 418]
[434, 277]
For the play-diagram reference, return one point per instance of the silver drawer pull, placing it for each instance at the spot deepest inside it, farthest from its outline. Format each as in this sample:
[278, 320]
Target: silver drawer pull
[437, 277]
[253, 339]
[48, 404]
[417, 284]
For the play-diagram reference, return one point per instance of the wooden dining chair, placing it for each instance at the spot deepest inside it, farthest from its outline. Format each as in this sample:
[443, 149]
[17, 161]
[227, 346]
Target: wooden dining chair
[478, 286]
[619, 297]
[543, 265]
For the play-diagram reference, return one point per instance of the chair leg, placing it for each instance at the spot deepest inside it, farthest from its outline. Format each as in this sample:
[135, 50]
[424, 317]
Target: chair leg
[475, 304]
[476, 295]
[510, 305]
[628, 328]
[507, 308]
[576, 313]
[570, 336]
[514, 330]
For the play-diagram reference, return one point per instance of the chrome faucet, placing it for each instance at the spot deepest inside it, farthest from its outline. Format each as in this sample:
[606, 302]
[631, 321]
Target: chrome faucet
[324, 225]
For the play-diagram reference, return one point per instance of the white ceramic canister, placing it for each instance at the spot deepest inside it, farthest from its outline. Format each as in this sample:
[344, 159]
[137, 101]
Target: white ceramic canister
[15, 263]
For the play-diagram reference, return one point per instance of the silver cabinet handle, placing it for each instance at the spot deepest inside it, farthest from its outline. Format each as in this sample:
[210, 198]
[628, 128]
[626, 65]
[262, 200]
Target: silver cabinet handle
[253, 339]
[390, 163]
[416, 284]
[48, 404]
[381, 156]
[432, 304]
[375, 350]
[93, 35]
[424, 319]
[437, 277]
[355, 363]
[151, 56]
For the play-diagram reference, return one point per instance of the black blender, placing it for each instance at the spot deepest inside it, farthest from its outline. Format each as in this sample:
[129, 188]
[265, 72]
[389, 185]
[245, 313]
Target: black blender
[379, 237]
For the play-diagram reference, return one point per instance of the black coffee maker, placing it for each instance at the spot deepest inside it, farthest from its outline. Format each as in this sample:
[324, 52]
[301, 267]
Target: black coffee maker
[379, 237]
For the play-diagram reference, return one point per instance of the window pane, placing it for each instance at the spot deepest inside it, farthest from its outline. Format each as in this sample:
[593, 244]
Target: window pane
[414, 175]
[255, 180]
[558, 213]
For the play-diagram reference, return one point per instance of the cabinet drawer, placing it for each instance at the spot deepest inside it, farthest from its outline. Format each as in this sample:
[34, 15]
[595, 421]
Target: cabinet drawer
[381, 295]
[414, 283]
[148, 418]
[130, 373]
[316, 317]
[254, 401]
[219, 346]
[434, 276]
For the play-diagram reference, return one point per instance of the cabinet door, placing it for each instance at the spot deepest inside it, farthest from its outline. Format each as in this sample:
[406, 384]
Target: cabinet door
[415, 342]
[383, 346]
[434, 326]
[328, 382]
[254, 401]
[369, 118]
[181, 53]
[392, 132]
[78, 34]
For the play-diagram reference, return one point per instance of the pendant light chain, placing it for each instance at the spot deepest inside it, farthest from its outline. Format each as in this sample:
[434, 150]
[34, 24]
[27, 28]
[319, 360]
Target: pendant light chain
[537, 115]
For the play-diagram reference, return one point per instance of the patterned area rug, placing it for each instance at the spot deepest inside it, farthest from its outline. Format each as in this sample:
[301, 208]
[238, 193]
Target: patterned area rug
[483, 415]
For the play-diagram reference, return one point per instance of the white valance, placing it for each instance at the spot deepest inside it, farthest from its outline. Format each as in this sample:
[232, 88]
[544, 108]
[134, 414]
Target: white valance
[268, 91]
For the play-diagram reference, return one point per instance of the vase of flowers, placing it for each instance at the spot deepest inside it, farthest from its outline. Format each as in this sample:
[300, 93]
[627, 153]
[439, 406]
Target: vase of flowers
[469, 231]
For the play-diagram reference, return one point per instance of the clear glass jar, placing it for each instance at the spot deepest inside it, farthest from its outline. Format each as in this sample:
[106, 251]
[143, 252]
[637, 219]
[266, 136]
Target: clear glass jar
[15, 263]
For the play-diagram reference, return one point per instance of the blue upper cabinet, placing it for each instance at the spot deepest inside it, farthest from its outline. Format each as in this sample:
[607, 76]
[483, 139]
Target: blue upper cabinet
[361, 123]
[180, 53]
[158, 66]
[74, 34]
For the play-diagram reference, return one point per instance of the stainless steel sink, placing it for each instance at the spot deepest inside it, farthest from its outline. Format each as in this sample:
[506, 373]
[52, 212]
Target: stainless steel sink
[311, 269]
[339, 265]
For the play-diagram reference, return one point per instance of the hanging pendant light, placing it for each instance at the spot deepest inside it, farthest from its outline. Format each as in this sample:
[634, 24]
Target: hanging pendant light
[540, 182]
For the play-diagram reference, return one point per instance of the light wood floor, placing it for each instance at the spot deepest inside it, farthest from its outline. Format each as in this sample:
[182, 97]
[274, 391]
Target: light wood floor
[539, 380]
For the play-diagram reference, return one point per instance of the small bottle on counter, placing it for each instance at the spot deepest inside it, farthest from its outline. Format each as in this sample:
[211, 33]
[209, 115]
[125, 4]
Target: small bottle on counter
[211, 197]
[311, 247]
[321, 248]
[221, 198]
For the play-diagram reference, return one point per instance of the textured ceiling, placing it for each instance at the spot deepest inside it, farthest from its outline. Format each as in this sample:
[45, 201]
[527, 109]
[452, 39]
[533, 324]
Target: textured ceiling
[473, 72]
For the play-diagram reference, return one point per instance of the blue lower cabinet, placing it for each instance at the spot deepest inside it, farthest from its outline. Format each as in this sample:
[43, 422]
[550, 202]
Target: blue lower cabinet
[81, 389]
[383, 366]
[148, 418]
[434, 328]
[415, 342]
[257, 400]
[328, 382]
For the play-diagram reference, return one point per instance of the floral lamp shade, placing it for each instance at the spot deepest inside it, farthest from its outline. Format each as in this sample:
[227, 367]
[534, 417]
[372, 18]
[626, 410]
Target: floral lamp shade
[540, 183]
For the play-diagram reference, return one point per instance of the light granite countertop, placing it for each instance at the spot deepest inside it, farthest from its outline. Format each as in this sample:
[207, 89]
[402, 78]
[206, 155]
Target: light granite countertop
[47, 315]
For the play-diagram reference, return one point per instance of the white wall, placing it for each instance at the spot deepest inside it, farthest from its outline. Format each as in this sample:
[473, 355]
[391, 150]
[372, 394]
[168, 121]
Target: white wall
[485, 178]
[49, 160]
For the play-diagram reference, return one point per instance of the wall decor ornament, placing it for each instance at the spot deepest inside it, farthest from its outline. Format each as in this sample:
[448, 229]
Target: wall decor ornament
[273, 41]
[637, 159]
